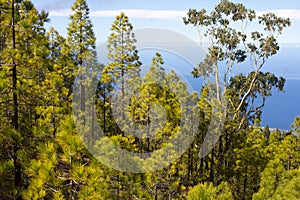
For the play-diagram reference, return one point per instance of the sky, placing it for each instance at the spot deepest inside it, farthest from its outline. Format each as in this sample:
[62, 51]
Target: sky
[166, 14]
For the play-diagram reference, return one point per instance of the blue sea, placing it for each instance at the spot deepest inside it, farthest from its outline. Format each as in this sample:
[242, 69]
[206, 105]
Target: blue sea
[282, 108]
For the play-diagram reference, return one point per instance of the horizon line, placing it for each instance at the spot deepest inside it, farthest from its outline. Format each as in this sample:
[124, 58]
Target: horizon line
[163, 14]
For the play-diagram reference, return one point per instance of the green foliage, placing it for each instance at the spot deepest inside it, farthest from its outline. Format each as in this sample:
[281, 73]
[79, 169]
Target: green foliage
[277, 183]
[121, 52]
[207, 191]
[296, 126]
[81, 37]
[22, 60]
[42, 156]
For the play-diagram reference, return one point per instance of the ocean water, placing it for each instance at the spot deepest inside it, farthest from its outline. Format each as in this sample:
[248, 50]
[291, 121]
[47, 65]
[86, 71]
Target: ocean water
[282, 107]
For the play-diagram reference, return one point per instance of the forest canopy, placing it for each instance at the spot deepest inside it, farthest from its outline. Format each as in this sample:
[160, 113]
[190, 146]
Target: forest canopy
[43, 147]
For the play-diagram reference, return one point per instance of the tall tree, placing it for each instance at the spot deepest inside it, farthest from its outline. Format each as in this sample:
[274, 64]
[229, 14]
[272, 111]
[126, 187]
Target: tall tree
[52, 109]
[81, 42]
[122, 52]
[81, 37]
[23, 58]
[228, 47]
[124, 65]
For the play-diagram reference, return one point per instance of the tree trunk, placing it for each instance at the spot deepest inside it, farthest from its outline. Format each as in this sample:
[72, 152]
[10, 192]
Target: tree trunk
[212, 166]
[17, 165]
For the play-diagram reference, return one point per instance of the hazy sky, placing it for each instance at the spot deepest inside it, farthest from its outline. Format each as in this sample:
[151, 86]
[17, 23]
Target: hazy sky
[162, 14]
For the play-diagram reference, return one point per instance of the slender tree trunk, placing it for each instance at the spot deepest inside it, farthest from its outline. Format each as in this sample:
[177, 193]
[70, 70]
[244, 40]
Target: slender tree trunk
[118, 187]
[245, 183]
[123, 97]
[212, 166]
[189, 166]
[220, 159]
[82, 83]
[201, 167]
[123, 82]
[1, 37]
[218, 83]
[148, 124]
[104, 108]
[14, 70]
[17, 164]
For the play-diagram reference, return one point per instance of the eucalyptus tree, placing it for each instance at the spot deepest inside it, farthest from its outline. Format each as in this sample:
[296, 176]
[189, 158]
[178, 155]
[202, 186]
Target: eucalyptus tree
[228, 30]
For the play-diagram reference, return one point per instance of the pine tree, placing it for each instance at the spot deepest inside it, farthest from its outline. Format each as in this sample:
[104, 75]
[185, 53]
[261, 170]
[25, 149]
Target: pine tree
[208, 191]
[76, 170]
[81, 38]
[157, 111]
[68, 170]
[23, 57]
[250, 162]
[280, 175]
[123, 68]
[53, 107]
[43, 153]
[81, 42]
[122, 53]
